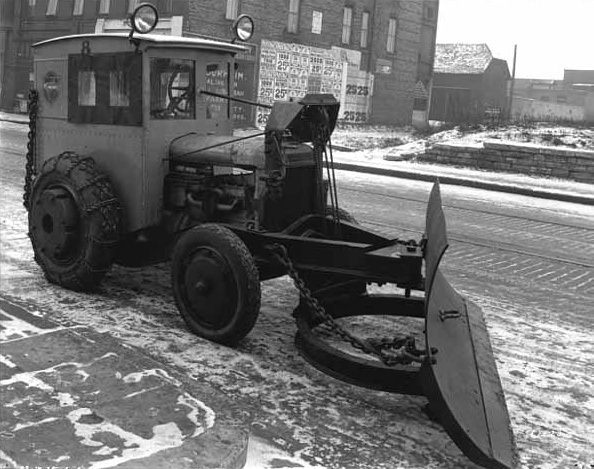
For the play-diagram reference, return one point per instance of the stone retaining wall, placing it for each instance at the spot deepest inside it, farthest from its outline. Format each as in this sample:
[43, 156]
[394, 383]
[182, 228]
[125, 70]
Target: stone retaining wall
[577, 165]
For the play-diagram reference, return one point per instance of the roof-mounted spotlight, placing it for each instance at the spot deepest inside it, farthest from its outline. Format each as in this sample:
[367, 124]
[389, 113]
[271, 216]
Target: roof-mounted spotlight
[243, 28]
[144, 19]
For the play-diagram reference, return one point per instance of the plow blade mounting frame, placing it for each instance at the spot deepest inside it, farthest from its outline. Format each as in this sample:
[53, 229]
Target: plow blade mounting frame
[458, 376]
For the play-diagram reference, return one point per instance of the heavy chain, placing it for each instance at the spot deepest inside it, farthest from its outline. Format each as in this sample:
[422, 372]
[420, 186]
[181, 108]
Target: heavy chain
[400, 350]
[31, 144]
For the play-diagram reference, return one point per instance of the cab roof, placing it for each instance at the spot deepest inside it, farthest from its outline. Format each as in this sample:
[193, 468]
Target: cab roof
[155, 40]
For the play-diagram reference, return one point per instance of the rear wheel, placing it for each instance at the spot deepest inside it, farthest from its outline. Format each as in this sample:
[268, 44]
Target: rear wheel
[74, 222]
[215, 283]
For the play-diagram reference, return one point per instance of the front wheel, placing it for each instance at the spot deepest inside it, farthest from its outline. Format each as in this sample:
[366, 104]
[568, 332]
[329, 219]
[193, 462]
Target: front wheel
[215, 283]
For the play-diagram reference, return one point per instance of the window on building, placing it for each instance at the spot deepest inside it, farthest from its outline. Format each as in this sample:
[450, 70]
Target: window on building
[293, 22]
[104, 7]
[391, 44]
[429, 13]
[52, 6]
[78, 8]
[545, 98]
[347, 21]
[132, 4]
[562, 99]
[364, 28]
[316, 22]
[232, 9]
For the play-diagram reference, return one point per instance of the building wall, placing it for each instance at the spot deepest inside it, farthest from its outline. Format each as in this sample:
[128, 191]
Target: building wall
[589, 108]
[392, 100]
[32, 24]
[550, 91]
[466, 97]
[6, 32]
[526, 108]
[494, 86]
[456, 97]
[395, 74]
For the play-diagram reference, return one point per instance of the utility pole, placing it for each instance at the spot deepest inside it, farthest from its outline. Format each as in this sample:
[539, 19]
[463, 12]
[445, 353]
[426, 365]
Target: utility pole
[511, 88]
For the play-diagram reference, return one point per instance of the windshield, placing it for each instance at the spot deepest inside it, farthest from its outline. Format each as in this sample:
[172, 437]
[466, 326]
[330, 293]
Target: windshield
[172, 89]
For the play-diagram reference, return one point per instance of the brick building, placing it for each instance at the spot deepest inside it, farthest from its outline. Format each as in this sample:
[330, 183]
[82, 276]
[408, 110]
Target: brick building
[389, 44]
[376, 56]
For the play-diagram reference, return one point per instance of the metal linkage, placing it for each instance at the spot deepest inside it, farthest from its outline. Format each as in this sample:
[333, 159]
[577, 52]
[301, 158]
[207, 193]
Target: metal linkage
[400, 350]
[33, 107]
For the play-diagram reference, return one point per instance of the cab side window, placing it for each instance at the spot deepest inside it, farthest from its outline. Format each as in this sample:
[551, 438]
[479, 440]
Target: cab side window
[172, 89]
[105, 88]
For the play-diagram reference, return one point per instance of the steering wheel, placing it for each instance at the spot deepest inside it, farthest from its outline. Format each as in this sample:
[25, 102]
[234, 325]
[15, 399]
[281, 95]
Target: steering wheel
[183, 101]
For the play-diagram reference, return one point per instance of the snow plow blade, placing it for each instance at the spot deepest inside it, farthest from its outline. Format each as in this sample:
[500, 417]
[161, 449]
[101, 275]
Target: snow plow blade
[460, 377]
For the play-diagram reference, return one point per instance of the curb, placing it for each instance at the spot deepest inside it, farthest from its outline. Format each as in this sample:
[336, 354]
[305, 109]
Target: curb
[508, 188]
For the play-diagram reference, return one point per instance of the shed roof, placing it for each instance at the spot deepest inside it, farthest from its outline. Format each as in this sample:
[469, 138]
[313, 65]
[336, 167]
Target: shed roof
[462, 58]
[159, 40]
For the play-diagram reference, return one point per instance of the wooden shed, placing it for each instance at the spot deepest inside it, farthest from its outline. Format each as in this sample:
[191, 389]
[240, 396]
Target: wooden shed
[469, 85]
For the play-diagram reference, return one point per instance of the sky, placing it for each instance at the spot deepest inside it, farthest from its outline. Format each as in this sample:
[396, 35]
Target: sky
[552, 35]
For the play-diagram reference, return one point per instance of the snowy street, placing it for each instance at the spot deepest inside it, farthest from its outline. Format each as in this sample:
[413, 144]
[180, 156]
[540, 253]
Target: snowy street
[527, 262]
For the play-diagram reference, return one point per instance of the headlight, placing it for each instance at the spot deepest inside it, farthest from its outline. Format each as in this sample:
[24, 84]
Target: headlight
[243, 28]
[145, 18]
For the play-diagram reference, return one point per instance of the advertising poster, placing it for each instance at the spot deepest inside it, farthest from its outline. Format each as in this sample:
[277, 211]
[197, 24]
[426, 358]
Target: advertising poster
[290, 71]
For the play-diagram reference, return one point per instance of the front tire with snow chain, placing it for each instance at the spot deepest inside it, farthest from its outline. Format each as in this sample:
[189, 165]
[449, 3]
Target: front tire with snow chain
[215, 283]
[74, 222]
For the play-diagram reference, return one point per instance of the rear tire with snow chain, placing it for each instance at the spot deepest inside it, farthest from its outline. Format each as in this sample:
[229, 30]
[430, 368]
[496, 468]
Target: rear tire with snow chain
[74, 222]
[216, 284]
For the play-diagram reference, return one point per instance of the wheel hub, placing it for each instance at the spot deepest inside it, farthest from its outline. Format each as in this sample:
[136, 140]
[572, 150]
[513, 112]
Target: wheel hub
[55, 224]
[207, 282]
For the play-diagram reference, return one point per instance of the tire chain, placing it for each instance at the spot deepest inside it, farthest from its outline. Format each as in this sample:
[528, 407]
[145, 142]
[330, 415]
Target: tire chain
[391, 352]
[98, 183]
[32, 107]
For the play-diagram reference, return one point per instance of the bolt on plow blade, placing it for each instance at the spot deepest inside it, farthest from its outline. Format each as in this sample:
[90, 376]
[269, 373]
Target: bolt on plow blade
[460, 378]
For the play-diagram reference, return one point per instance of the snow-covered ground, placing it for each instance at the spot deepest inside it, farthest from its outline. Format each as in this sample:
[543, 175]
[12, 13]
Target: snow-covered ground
[407, 140]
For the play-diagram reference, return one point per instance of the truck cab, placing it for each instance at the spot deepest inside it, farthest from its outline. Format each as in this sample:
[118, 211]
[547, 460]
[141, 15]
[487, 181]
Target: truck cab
[123, 102]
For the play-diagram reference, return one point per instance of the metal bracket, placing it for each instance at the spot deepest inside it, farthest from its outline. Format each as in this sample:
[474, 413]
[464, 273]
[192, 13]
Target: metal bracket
[448, 314]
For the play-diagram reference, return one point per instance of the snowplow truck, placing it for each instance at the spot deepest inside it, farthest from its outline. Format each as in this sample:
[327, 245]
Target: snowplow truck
[132, 159]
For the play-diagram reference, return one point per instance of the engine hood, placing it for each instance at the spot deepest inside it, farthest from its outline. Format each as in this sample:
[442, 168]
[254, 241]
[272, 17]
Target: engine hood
[214, 150]
[225, 150]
